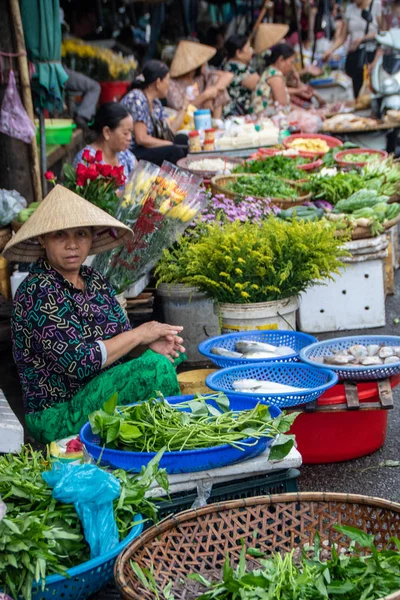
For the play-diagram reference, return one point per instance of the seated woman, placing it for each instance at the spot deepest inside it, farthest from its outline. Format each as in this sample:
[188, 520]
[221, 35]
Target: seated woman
[239, 54]
[191, 78]
[113, 126]
[154, 137]
[70, 337]
[271, 91]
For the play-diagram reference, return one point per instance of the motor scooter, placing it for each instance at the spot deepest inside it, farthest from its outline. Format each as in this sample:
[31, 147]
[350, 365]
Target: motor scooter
[385, 75]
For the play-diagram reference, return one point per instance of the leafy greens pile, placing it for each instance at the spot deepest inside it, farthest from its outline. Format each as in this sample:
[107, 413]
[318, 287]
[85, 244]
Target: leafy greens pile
[40, 536]
[203, 422]
[283, 165]
[263, 186]
[347, 575]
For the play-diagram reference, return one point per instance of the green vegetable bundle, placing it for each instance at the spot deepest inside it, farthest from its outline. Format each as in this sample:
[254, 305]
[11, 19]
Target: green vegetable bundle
[384, 175]
[301, 575]
[153, 425]
[304, 213]
[277, 165]
[334, 188]
[263, 186]
[40, 536]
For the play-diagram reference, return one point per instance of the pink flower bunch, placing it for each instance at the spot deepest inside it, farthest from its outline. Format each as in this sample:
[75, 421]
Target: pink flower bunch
[253, 210]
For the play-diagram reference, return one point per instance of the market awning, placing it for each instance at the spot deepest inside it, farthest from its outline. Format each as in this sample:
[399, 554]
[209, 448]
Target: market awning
[42, 30]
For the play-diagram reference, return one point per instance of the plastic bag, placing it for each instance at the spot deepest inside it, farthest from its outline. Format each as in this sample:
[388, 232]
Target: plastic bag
[14, 120]
[92, 491]
[11, 203]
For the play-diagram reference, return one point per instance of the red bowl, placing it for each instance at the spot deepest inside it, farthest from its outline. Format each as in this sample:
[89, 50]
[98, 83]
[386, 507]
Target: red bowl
[331, 141]
[266, 152]
[344, 163]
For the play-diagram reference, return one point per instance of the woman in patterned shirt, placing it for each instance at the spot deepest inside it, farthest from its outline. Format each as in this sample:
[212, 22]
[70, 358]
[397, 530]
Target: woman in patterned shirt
[239, 54]
[144, 104]
[113, 126]
[271, 91]
[71, 339]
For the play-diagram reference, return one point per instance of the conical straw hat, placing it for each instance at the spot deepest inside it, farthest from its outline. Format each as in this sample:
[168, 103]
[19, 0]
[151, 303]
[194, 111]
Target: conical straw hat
[189, 56]
[63, 209]
[269, 34]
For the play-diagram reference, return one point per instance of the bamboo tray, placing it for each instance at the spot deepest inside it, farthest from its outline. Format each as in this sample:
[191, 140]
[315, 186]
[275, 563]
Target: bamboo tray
[198, 541]
[380, 127]
[219, 183]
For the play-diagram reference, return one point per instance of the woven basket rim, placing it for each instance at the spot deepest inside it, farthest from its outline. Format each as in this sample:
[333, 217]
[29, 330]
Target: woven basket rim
[188, 515]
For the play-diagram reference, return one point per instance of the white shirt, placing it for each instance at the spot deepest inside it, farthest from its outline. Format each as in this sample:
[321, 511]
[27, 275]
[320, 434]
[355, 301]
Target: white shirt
[357, 25]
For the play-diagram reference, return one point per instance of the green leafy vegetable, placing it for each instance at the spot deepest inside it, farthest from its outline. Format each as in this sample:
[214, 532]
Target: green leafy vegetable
[153, 425]
[263, 186]
[39, 536]
[275, 165]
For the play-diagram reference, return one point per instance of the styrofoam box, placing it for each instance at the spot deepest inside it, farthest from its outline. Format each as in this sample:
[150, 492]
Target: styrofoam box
[356, 300]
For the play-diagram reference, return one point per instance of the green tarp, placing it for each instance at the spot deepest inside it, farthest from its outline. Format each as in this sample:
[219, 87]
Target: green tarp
[42, 30]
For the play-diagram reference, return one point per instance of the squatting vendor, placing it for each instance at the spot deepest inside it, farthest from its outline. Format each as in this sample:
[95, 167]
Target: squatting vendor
[71, 339]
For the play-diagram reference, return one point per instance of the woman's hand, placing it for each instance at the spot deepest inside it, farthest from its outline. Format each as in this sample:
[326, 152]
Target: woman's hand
[168, 348]
[153, 331]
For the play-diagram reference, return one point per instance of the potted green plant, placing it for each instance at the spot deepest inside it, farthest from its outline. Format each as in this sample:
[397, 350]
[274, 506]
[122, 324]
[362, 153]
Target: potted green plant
[255, 272]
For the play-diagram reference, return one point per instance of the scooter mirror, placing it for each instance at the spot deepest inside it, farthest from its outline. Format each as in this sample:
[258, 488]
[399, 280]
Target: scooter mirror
[366, 15]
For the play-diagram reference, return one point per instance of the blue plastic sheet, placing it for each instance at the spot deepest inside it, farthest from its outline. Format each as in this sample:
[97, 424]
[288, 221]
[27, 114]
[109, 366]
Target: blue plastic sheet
[92, 491]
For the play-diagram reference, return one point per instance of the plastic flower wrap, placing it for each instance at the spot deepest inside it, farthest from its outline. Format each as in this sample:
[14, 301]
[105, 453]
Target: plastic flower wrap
[158, 214]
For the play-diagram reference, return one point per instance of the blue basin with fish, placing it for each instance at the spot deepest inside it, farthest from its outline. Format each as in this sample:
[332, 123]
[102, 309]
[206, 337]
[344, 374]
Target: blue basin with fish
[186, 461]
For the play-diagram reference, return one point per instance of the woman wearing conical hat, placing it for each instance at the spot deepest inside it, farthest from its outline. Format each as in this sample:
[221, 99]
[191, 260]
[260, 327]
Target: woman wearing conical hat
[191, 78]
[70, 337]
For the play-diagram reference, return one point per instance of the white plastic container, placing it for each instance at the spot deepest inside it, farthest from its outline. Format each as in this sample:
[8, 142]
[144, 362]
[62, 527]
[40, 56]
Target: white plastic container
[356, 300]
[279, 314]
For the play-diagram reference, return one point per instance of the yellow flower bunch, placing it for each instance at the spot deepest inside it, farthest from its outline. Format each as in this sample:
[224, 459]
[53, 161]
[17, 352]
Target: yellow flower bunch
[101, 63]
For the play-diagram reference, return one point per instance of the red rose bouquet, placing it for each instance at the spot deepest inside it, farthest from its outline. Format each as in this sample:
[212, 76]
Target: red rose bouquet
[95, 181]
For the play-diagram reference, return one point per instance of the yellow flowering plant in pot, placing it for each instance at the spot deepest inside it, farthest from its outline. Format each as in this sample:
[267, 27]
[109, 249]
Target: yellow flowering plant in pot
[245, 267]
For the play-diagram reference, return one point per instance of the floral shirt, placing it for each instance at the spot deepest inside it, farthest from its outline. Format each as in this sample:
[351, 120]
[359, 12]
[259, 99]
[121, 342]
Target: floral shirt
[55, 330]
[263, 97]
[137, 104]
[125, 159]
[240, 103]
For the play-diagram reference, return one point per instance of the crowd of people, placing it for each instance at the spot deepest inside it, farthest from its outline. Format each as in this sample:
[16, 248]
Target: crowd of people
[235, 76]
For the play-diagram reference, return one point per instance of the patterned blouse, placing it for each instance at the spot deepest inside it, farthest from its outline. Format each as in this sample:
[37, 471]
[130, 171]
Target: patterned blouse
[55, 329]
[263, 97]
[137, 104]
[240, 103]
[126, 159]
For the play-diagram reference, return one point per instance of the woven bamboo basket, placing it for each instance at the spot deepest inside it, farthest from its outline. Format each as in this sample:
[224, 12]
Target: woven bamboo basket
[5, 236]
[219, 183]
[198, 541]
[16, 226]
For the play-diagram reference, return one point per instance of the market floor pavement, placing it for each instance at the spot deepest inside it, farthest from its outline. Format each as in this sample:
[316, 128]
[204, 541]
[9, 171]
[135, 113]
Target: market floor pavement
[361, 476]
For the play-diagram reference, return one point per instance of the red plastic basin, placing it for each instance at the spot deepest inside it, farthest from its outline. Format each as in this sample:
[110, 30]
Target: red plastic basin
[338, 435]
[348, 163]
[112, 91]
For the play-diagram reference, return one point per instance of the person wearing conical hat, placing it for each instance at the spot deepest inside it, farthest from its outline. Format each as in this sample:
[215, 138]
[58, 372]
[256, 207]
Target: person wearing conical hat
[192, 78]
[70, 337]
[266, 36]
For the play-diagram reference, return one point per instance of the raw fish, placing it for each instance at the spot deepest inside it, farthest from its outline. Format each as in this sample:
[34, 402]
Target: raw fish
[249, 346]
[339, 359]
[259, 355]
[373, 349]
[246, 384]
[370, 361]
[224, 352]
[391, 359]
[357, 351]
[285, 350]
[385, 352]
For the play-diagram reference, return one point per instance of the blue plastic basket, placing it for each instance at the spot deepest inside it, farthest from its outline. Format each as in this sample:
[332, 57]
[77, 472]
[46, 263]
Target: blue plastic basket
[315, 380]
[356, 372]
[294, 339]
[89, 577]
[187, 461]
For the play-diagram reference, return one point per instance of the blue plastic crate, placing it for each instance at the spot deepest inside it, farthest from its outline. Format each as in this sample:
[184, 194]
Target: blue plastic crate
[315, 380]
[89, 577]
[187, 461]
[293, 339]
[355, 372]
